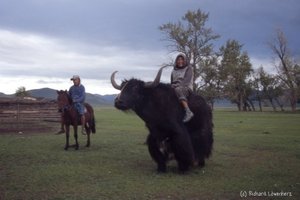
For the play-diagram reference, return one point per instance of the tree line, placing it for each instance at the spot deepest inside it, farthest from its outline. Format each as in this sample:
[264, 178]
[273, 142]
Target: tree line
[227, 73]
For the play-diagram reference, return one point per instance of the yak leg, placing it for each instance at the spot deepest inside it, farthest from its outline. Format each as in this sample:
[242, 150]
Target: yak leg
[182, 147]
[198, 147]
[156, 154]
[201, 162]
[76, 137]
[67, 137]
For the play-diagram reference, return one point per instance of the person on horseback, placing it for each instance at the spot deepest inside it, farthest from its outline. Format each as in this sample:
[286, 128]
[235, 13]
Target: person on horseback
[182, 82]
[77, 94]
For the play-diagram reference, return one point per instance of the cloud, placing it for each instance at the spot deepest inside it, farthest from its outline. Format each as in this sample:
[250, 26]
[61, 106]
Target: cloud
[124, 22]
[43, 43]
[37, 61]
[29, 55]
[49, 82]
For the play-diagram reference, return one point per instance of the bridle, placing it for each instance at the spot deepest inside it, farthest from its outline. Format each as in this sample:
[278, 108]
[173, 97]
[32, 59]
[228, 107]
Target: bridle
[65, 107]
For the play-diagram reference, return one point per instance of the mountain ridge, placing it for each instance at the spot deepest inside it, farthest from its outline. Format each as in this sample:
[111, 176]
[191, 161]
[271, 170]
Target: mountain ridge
[51, 94]
[93, 99]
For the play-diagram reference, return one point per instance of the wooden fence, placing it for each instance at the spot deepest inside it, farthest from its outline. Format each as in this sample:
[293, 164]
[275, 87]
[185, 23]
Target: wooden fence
[21, 115]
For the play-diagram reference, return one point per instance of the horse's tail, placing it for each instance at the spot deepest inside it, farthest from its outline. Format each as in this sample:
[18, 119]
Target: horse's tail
[93, 124]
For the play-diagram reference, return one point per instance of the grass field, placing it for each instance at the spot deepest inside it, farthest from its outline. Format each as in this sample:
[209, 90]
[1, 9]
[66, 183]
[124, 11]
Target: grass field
[253, 152]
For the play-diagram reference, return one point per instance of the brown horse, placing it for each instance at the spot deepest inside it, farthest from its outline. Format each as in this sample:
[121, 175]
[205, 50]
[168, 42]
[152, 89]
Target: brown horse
[70, 116]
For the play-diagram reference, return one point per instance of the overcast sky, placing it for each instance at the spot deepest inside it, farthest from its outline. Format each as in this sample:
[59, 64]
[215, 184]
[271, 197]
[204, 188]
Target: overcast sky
[44, 42]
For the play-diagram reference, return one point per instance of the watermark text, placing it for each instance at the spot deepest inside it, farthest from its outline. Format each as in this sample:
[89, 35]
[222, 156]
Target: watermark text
[253, 193]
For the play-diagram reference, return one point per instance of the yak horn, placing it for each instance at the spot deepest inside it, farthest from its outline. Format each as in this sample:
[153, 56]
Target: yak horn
[156, 80]
[113, 82]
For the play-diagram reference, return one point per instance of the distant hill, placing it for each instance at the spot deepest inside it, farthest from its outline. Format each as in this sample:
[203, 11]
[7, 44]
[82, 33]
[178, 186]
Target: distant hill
[6, 95]
[2, 94]
[97, 99]
[94, 99]
[109, 97]
[46, 93]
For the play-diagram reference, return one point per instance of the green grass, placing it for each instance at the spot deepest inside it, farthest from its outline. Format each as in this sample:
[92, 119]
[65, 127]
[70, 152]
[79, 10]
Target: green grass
[252, 152]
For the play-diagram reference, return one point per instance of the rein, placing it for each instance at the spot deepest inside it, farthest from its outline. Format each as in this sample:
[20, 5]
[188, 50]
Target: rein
[66, 107]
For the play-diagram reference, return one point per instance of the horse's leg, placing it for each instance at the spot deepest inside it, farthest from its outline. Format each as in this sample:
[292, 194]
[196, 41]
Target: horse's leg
[67, 136]
[76, 137]
[88, 132]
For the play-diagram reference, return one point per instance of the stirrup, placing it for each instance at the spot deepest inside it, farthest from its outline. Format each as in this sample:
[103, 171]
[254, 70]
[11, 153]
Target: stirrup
[83, 131]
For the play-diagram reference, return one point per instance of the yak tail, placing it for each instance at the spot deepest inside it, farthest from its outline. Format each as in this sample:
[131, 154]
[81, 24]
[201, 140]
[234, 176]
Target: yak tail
[210, 138]
[210, 142]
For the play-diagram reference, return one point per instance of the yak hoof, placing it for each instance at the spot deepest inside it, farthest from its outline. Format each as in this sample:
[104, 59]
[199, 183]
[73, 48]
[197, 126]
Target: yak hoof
[183, 168]
[159, 171]
[201, 163]
[162, 169]
[66, 148]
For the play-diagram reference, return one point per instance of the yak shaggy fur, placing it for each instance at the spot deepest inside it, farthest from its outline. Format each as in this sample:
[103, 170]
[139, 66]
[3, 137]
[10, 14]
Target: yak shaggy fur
[162, 113]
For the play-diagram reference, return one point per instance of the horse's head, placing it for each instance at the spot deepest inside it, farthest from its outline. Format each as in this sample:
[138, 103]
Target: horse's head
[63, 100]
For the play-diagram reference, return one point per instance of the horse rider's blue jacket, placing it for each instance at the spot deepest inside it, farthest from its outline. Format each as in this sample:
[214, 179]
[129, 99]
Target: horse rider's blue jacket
[77, 93]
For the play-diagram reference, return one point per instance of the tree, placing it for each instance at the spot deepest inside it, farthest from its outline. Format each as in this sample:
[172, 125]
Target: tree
[248, 96]
[257, 90]
[288, 71]
[192, 37]
[21, 92]
[209, 85]
[234, 73]
[270, 87]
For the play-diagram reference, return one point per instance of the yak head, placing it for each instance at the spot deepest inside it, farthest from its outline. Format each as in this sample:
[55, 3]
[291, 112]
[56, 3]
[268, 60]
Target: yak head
[132, 91]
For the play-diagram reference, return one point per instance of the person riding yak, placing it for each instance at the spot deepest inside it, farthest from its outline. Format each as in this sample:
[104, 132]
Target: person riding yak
[182, 82]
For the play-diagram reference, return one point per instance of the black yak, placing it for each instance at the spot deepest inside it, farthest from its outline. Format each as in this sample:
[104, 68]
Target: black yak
[158, 106]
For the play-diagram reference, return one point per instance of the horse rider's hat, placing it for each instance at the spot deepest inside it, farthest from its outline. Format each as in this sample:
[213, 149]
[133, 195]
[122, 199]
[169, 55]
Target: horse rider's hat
[75, 77]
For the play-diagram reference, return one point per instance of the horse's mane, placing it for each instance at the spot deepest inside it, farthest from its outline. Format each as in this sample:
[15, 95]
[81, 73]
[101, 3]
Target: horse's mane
[65, 92]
